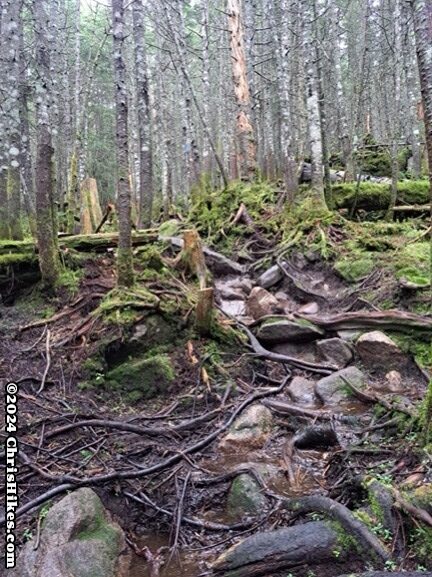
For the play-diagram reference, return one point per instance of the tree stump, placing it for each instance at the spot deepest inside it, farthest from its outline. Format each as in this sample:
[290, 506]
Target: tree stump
[204, 311]
[192, 256]
[91, 212]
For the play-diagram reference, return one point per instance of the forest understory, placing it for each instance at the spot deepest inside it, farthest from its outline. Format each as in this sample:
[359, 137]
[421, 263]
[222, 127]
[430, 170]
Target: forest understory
[197, 444]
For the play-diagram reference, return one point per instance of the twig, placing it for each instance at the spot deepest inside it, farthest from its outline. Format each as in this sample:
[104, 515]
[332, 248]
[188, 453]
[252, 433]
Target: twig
[48, 362]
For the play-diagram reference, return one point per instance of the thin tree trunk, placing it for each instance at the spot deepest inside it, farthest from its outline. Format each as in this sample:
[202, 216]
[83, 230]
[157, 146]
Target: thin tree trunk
[46, 231]
[144, 119]
[124, 256]
[423, 32]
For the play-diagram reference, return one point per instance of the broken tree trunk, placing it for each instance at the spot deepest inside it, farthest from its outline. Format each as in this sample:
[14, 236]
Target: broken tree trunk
[91, 212]
[192, 256]
[204, 311]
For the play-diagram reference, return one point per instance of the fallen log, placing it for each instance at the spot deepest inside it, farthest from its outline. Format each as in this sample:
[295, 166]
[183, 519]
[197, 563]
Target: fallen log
[413, 208]
[392, 320]
[269, 552]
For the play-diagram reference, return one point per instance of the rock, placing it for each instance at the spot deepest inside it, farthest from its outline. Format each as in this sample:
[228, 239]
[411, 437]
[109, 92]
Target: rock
[422, 497]
[377, 350]
[78, 539]
[262, 303]
[393, 382]
[350, 336]
[302, 351]
[335, 351]
[302, 391]
[270, 277]
[245, 497]
[284, 330]
[309, 309]
[269, 552]
[230, 293]
[315, 437]
[251, 430]
[333, 389]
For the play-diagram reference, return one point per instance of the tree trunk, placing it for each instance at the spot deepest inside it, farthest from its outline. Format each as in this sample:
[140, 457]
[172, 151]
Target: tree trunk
[245, 136]
[46, 230]
[124, 256]
[314, 123]
[423, 32]
[144, 119]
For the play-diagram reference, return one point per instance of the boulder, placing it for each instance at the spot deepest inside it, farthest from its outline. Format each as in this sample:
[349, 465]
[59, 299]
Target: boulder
[261, 303]
[270, 277]
[302, 391]
[349, 335]
[336, 352]
[245, 497]
[378, 351]
[285, 330]
[251, 430]
[269, 552]
[78, 539]
[333, 389]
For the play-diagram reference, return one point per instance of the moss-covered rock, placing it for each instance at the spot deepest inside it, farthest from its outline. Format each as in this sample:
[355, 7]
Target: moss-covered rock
[245, 497]
[144, 377]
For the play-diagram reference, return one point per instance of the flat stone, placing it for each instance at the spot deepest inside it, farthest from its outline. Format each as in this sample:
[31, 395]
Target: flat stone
[302, 391]
[309, 309]
[378, 351]
[333, 389]
[350, 336]
[336, 352]
[251, 429]
[270, 277]
[261, 303]
[284, 330]
[78, 539]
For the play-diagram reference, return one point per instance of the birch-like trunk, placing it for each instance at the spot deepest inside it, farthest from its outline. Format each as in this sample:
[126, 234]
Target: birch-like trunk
[245, 136]
[313, 111]
[423, 32]
[125, 275]
[45, 208]
[144, 119]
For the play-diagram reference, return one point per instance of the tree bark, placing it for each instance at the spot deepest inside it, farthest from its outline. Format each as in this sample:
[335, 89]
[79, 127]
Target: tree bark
[423, 31]
[46, 230]
[144, 119]
[125, 275]
[245, 136]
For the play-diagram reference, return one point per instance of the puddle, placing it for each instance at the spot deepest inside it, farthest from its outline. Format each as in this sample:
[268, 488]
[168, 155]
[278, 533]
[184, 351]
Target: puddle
[180, 564]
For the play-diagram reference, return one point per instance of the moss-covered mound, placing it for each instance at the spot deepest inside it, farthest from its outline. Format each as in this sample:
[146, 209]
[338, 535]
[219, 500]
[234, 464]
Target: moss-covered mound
[373, 196]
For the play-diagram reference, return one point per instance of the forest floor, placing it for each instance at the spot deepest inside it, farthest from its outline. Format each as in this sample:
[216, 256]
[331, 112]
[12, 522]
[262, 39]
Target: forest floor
[117, 391]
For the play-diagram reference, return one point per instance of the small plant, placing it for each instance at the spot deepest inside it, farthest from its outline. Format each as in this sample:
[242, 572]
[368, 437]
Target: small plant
[27, 534]
[390, 565]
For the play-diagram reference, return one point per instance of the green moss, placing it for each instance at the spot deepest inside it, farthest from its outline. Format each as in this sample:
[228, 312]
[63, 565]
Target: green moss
[148, 377]
[124, 307]
[345, 541]
[374, 196]
[421, 543]
[70, 280]
[355, 266]
[150, 257]
[412, 263]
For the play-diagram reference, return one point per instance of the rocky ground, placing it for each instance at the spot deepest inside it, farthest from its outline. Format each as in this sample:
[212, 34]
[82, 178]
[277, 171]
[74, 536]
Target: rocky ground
[291, 441]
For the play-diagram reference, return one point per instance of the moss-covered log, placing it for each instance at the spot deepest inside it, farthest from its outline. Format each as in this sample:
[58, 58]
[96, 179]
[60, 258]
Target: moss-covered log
[373, 196]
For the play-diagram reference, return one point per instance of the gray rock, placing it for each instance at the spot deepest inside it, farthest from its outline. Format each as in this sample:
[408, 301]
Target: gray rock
[251, 430]
[78, 539]
[284, 330]
[333, 389]
[309, 309]
[269, 552]
[270, 277]
[302, 391]
[315, 437]
[350, 336]
[378, 351]
[245, 497]
[261, 303]
[336, 351]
